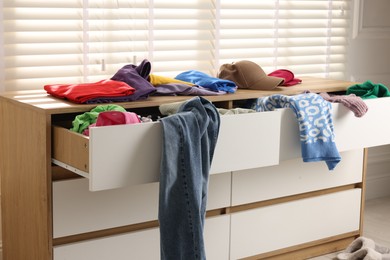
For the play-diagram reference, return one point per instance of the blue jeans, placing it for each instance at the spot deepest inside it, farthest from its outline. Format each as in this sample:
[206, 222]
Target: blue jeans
[189, 139]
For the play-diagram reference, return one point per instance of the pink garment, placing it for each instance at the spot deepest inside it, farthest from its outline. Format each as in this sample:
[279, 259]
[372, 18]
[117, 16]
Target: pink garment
[114, 118]
[117, 118]
[354, 103]
[287, 75]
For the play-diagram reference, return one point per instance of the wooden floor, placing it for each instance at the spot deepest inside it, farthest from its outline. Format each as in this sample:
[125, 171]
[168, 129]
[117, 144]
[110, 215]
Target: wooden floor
[376, 224]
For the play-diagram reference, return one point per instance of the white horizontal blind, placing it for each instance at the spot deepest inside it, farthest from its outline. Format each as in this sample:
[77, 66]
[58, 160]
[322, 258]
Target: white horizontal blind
[72, 41]
[307, 37]
[183, 35]
[42, 42]
[118, 33]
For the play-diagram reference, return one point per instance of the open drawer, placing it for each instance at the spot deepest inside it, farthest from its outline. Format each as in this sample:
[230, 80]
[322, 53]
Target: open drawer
[351, 132]
[122, 155]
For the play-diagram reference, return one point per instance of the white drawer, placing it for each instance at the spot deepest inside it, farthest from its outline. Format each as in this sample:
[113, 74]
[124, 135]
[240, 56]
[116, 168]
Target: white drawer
[368, 131]
[144, 244]
[136, 245]
[122, 155]
[217, 237]
[76, 210]
[292, 223]
[294, 177]
[350, 132]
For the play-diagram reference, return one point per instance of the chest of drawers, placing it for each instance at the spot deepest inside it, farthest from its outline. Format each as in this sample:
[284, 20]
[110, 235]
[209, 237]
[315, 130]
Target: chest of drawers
[64, 196]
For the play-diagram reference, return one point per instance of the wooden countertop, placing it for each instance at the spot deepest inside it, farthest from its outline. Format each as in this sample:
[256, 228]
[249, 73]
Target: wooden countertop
[39, 99]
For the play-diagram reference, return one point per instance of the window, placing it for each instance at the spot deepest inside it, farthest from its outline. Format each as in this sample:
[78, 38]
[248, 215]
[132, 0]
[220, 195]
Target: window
[47, 42]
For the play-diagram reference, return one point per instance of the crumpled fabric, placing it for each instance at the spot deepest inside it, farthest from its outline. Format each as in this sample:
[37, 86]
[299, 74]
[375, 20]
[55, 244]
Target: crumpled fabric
[369, 90]
[81, 122]
[207, 81]
[157, 80]
[184, 177]
[351, 101]
[177, 89]
[137, 77]
[84, 92]
[314, 116]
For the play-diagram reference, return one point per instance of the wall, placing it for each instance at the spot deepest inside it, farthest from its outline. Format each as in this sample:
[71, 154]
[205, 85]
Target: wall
[368, 52]
[369, 59]
[378, 176]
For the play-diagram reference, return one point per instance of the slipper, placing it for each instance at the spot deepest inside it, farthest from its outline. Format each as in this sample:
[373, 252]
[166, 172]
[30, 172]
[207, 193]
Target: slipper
[365, 254]
[364, 243]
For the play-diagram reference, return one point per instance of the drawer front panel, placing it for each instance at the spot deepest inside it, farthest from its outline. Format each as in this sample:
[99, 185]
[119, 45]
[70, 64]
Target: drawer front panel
[76, 210]
[368, 131]
[145, 244]
[137, 150]
[242, 139]
[350, 132]
[294, 177]
[125, 155]
[292, 223]
[136, 245]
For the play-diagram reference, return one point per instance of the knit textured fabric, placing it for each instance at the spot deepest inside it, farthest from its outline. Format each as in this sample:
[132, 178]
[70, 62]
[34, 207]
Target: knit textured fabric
[351, 101]
[369, 90]
[314, 115]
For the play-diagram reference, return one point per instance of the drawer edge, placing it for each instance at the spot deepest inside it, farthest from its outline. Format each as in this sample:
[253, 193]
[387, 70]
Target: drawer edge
[70, 148]
[70, 168]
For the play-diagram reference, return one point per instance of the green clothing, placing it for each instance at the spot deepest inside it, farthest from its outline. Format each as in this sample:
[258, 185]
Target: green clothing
[369, 90]
[81, 122]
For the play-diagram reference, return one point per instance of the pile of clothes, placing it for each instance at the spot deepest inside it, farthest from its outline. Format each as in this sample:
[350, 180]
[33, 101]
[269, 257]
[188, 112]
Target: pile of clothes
[135, 82]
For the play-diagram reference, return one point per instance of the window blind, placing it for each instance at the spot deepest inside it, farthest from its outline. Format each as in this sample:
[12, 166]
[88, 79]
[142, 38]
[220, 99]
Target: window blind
[307, 37]
[74, 41]
[42, 42]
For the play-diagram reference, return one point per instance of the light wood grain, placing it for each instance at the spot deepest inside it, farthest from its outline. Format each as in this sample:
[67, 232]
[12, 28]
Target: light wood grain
[25, 183]
[71, 147]
[40, 100]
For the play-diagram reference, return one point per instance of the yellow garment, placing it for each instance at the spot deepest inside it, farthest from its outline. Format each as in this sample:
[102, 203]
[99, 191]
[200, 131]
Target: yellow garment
[156, 80]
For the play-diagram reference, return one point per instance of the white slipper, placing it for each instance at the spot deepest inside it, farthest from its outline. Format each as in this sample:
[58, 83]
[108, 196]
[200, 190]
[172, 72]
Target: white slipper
[362, 254]
[368, 250]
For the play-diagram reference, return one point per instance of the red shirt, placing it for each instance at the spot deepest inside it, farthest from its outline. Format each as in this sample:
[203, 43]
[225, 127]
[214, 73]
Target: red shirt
[80, 93]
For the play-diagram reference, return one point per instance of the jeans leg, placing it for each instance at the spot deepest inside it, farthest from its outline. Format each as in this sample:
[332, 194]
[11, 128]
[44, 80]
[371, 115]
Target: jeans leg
[180, 215]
